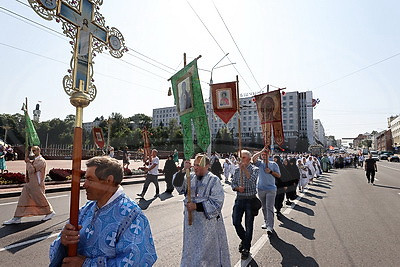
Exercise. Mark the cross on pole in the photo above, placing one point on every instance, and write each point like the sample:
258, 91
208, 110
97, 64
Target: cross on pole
86, 30
81, 22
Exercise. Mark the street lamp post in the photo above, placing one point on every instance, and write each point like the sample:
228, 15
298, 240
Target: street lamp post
211, 110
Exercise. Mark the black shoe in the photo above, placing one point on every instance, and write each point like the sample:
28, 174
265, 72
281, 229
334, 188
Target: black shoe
269, 233
241, 247
140, 195
288, 203
278, 213
245, 254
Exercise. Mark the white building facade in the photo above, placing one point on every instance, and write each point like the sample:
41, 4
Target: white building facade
297, 117
394, 126
319, 132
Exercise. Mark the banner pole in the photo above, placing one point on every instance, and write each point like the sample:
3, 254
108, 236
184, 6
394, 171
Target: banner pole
189, 188
238, 118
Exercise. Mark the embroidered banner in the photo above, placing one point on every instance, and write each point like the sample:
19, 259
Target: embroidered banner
190, 106
270, 114
98, 137
224, 100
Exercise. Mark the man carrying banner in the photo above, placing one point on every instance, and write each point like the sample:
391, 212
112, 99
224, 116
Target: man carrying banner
33, 201
266, 187
204, 242
244, 182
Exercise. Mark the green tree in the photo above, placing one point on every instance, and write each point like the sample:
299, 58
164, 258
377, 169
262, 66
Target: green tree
141, 120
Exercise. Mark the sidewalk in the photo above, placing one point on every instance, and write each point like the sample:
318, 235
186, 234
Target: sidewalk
59, 186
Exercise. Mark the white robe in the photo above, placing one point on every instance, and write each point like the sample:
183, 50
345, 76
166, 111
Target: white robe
204, 242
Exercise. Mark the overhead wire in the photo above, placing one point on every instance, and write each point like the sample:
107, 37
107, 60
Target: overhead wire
215, 40
65, 63
233, 39
359, 70
52, 30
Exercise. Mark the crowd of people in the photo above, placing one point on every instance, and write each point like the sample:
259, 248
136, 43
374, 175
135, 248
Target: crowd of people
114, 231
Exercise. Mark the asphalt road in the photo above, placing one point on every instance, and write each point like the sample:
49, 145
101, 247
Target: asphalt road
340, 221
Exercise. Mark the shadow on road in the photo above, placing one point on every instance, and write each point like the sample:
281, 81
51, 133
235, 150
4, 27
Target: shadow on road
386, 186
296, 227
15, 228
39, 237
291, 256
165, 196
144, 204
305, 210
307, 201
313, 195
323, 185
246, 263
316, 190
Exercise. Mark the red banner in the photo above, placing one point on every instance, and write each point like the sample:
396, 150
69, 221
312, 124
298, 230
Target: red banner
224, 100
270, 114
98, 137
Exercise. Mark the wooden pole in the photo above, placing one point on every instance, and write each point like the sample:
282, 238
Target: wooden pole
238, 118
76, 177
188, 179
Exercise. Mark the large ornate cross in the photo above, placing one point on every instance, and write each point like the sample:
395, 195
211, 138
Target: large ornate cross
82, 22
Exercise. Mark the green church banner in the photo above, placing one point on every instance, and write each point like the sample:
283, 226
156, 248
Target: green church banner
190, 107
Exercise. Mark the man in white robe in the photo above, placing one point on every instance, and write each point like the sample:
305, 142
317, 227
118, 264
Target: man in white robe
204, 242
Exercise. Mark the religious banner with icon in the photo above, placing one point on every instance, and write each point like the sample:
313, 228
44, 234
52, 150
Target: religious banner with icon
98, 137
190, 106
270, 115
224, 100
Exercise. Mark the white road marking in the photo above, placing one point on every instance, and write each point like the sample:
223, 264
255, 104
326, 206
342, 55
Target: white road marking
16, 202
253, 250
28, 242
263, 239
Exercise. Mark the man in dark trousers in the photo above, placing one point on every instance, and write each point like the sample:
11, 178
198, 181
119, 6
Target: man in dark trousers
370, 168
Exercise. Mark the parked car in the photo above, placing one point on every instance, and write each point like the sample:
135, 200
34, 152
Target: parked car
394, 159
383, 156
389, 153
375, 155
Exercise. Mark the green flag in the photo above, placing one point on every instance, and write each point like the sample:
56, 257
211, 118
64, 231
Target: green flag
32, 139
190, 106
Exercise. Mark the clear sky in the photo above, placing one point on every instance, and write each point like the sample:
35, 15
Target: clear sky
298, 44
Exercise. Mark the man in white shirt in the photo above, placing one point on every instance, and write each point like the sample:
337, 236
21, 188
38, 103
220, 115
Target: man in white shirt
152, 174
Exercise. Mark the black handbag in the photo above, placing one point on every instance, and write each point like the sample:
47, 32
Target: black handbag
256, 206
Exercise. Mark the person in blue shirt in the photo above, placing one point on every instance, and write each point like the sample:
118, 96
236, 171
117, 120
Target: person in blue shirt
266, 187
113, 230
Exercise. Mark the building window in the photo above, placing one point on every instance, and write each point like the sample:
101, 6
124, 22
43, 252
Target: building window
290, 97
290, 103
290, 109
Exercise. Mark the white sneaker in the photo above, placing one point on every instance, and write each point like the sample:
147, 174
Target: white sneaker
264, 226
49, 216
14, 220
